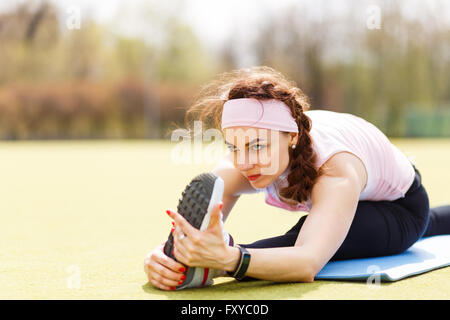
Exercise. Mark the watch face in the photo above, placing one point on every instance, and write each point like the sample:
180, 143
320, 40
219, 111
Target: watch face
243, 264
246, 258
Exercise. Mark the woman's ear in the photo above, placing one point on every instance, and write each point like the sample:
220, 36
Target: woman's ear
293, 138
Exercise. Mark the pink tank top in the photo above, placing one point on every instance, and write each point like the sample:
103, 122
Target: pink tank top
389, 171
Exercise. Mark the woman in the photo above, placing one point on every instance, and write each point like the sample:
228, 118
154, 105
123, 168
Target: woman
364, 197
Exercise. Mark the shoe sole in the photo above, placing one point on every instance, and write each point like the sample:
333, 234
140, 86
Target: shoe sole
196, 205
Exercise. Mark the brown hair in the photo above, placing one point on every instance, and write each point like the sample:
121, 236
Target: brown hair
264, 83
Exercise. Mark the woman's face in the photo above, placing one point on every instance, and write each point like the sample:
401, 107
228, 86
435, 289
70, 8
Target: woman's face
261, 155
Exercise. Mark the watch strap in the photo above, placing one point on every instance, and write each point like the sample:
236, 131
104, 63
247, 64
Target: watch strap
243, 263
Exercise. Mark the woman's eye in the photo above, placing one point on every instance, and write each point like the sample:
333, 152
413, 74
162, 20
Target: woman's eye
257, 147
254, 147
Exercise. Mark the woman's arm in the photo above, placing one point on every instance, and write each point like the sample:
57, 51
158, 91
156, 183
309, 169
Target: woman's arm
334, 201
235, 183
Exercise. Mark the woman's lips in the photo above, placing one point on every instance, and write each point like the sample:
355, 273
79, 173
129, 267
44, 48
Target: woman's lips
254, 177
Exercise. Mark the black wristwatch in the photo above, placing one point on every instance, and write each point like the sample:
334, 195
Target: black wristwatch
242, 266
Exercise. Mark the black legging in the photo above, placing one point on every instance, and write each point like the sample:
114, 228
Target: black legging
381, 227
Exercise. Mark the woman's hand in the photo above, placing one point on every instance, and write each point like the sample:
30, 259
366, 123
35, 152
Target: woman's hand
206, 249
162, 271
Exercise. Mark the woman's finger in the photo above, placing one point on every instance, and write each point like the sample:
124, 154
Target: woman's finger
163, 278
182, 223
180, 247
161, 286
181, 256
160, 272
180, 243
166, 276
216, 216
169, 263
174, 271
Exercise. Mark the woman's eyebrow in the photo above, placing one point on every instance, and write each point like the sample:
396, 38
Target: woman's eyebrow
247, 144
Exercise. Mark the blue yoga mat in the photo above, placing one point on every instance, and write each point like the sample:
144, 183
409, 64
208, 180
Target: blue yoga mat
425, 255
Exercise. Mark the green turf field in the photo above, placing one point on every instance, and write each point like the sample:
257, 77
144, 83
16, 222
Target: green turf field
77, 219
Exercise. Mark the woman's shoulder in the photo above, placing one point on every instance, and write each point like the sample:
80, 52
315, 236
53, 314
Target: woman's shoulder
318, 114
325, 120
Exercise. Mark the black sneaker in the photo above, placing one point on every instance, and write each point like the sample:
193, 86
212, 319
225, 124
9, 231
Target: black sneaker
198, 200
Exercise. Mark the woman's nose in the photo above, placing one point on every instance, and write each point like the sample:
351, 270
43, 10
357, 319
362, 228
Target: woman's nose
244, 164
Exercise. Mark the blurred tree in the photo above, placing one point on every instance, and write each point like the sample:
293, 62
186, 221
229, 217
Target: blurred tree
125, 79
182, 57
83, 52
28, 35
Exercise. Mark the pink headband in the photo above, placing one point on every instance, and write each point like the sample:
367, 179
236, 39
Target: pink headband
249, 112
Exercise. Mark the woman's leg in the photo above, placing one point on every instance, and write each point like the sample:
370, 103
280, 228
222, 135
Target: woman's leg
286, 240
439, 222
